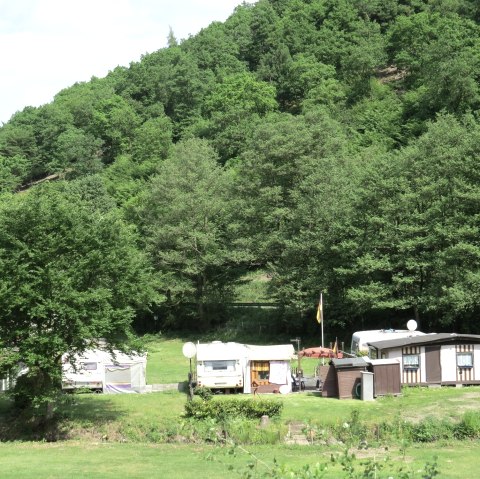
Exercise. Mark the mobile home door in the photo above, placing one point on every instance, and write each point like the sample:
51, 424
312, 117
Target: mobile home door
433, 369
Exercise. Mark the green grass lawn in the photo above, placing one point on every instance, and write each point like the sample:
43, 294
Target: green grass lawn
166, 363
105, 460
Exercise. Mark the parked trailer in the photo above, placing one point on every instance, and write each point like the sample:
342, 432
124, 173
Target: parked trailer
360, 339
221, 366
100, 371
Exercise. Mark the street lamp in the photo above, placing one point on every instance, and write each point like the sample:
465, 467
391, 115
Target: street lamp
189, 350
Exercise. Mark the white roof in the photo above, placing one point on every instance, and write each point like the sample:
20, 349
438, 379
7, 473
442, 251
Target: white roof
271, 353
218, 351
102, 356
374, 362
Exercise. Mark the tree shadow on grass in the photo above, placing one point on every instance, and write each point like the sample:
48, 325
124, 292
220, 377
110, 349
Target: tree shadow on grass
74, 413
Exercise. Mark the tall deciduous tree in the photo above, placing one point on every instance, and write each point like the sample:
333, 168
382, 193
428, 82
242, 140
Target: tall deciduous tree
70, 274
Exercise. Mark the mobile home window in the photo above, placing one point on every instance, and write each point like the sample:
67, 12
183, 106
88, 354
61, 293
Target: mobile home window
465, 360
411, 361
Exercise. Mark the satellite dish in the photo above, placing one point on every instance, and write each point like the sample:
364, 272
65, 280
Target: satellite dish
411, 325
189, 350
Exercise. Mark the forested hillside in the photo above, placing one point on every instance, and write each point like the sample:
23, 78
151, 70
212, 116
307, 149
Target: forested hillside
321, 145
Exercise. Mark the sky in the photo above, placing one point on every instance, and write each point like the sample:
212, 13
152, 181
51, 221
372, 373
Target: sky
48, 45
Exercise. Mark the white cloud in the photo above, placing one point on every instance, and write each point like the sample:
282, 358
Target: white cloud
48, 45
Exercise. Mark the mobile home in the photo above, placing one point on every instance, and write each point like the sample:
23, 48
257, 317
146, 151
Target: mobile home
433, 359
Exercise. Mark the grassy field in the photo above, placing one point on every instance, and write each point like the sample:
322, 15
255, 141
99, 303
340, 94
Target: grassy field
166, 363
138, 435
76, 459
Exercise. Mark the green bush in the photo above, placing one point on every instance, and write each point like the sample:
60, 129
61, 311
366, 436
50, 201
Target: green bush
431, 430
230, 408
469, 426
203, 393
353, 430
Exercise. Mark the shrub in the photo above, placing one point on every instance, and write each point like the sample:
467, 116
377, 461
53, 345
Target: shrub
203, 392
247, 431
224, 409
469, 426
431, 430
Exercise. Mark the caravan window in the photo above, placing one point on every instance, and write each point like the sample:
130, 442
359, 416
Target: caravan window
411, 361
219, 365
89, 366
465, 360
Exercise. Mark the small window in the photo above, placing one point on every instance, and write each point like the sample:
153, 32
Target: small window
411, 361
465, 360
89, 366
219, 365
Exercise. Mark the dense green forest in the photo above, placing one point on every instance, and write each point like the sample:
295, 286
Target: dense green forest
306, 145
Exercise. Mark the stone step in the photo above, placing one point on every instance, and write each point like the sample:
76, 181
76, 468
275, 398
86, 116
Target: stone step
296, 435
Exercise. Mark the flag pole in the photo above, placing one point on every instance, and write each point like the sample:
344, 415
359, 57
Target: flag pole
321, 309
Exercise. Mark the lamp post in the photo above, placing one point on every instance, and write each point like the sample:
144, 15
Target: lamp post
189, 350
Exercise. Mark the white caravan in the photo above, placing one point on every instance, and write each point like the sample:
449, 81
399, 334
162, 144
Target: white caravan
100, 371
361, 338
220, 366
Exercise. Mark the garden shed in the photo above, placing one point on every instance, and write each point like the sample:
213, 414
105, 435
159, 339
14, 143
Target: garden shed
433, 359
328, 378
343, 378
386, 376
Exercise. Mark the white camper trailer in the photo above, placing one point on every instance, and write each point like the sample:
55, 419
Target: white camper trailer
9, 380
220, 366
360, 339
100, 371
234, 367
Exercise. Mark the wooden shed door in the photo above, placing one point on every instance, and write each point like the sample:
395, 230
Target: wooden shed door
433, 369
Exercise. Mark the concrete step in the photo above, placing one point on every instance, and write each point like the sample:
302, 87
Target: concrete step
296, 435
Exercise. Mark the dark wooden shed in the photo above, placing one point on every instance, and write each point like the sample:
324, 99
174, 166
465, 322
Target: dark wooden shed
328, 377
386, 376
349, 376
